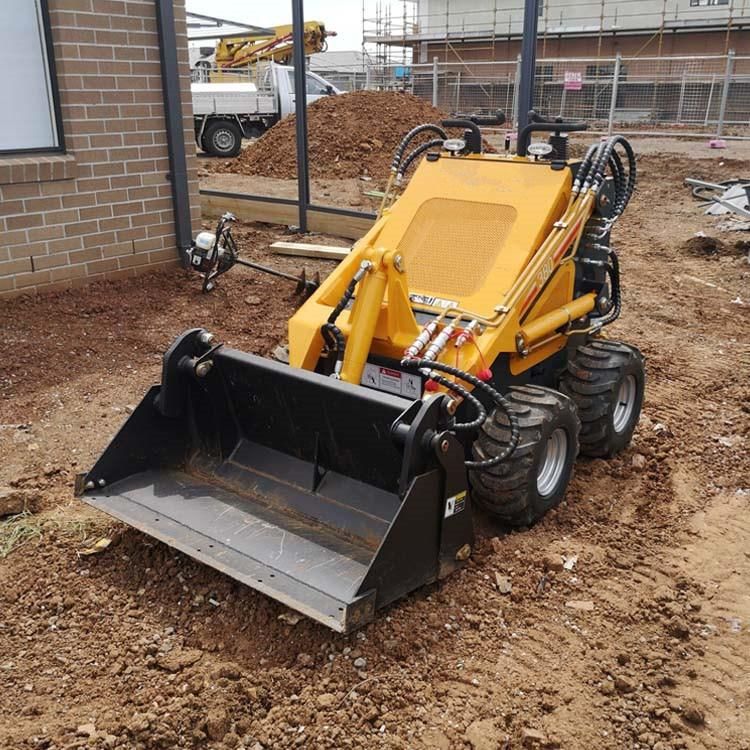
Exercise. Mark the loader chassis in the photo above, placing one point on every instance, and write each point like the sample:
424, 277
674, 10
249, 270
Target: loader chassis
455, 357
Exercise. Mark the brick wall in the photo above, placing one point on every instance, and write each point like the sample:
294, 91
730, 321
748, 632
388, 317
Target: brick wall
103, 209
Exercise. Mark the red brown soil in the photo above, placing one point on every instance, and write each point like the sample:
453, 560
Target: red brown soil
348, 136
140, 647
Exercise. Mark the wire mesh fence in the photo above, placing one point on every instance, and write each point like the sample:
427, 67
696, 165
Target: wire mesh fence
703, 93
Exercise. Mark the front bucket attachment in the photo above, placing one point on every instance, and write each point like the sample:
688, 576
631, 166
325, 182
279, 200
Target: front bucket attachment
331, 498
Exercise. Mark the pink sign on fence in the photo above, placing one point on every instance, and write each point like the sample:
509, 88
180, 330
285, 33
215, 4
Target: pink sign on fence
573, 80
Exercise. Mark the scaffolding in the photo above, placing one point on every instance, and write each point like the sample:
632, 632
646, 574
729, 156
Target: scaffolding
400, 33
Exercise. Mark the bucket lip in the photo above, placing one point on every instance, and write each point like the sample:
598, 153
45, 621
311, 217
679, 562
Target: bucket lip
338, 612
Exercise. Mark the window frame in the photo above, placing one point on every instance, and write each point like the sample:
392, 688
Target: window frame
54, 91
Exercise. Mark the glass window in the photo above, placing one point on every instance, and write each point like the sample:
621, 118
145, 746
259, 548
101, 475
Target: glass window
315, 85
27, 87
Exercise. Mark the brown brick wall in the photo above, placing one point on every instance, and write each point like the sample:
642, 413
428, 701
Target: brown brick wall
104, 208
695, 43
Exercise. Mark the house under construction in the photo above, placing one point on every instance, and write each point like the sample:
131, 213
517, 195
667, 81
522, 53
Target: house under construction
464, 30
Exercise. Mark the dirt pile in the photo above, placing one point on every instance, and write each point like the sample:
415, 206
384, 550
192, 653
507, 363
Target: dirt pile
350, 135
703, 245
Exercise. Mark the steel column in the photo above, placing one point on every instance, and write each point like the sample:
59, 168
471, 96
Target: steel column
528, 62
615, 87
725, 92
300, 111
516, 82
434, 81
176, 148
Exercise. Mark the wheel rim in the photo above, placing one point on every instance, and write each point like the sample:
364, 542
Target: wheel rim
553, 462
625, 404
223, 140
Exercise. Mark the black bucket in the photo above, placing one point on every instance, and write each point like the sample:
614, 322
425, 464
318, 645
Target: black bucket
331, 498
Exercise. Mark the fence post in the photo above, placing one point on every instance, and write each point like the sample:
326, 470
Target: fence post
725, 92
515, 90
710, 100
615, 87
434, 81
367, 76
682, 95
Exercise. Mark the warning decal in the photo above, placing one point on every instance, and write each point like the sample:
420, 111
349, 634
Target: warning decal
406, 384
455, 504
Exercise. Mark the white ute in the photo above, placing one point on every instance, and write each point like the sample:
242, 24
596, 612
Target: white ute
225, 113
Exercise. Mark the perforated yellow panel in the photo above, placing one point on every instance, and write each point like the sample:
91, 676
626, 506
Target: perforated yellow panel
451, 245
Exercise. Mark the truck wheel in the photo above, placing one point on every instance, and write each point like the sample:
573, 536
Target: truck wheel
222, 138
606, 380
520, 490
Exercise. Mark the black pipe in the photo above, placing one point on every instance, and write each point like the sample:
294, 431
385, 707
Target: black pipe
170, 81
300, 111
528, 62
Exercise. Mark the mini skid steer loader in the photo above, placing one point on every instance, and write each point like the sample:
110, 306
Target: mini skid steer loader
455, 357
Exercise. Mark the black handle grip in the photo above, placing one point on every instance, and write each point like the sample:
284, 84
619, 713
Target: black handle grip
474, 138
524, 137
489, 120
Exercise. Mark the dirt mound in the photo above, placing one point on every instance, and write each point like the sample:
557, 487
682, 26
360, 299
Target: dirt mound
350, 135
703, 245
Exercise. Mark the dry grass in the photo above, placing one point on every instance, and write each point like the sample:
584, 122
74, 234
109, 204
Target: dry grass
27, 527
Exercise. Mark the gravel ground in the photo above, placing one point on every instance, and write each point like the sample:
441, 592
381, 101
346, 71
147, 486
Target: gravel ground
641, 641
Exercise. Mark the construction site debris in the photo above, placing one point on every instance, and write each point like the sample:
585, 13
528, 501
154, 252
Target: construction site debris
303, 250
348, 136
504, 585
726, 197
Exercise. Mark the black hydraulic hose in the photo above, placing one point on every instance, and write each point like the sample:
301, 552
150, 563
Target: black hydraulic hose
629, 185
418, 151
603, 161
334, 339
498, 399
343, 302
584, 167
331, 333
613, 271
460, 391
401, 148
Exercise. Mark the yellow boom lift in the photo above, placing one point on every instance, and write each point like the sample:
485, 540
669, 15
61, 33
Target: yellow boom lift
240, 52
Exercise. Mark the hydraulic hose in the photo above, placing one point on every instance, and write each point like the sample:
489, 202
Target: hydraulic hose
498, 399
613, 272
607, 157
584, 167
459, 390
414, 154
401, 149
332, 335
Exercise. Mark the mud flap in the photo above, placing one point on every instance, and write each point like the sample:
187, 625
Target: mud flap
329, 497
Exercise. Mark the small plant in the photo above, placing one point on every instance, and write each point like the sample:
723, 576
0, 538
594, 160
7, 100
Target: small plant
18, 530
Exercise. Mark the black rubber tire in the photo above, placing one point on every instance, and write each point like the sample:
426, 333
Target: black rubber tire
510, 490
593, 379
223, 129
